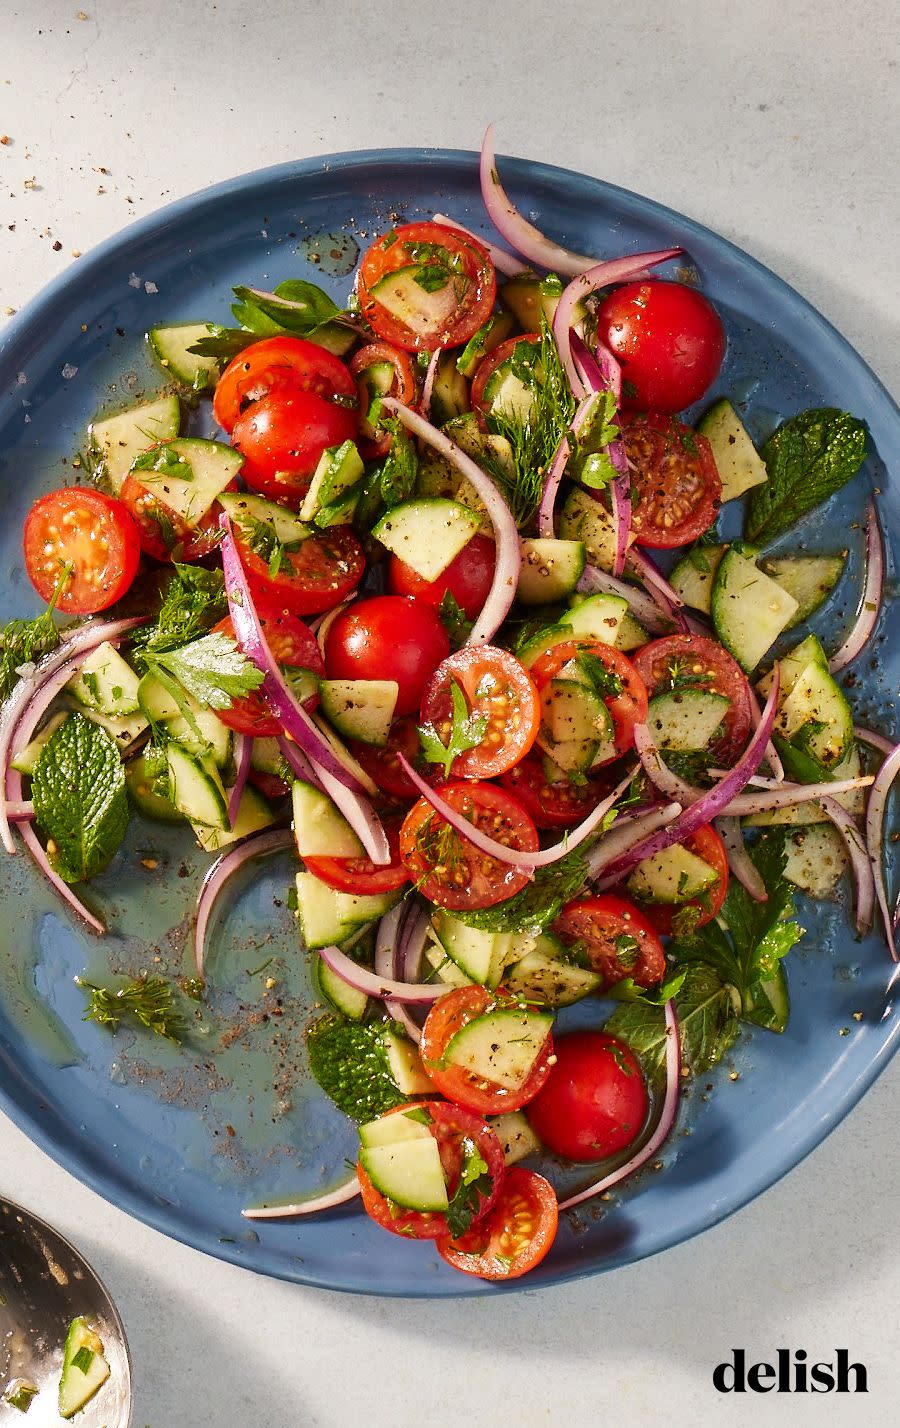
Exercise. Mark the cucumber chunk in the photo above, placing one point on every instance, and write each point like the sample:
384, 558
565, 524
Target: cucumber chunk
738, 463
171, 346
124, 728
196, 788
409, 1172
693, 576
406, 1066
25, 760
443, 966
803, 814
84, 1369
402, 294
320, 831
631, 635
427, 533
546, 974
507, 395
480, 955
201, 732
117, 440
344, 998
586, 520
749, 611
515, 1135
105, 682
244, 508
360, 708
810, 579
816, 859
209, 467
673, 876
816, 717
599, 616
140, 786
327, 916
550, 570
501, 1046
686, 719
496, 330
254, 813
449, 391
437, 477
339, 468
395, 1128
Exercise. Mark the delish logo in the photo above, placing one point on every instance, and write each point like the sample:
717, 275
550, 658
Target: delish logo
737, 1376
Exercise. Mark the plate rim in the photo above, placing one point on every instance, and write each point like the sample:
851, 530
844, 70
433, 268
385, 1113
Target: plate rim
24, 325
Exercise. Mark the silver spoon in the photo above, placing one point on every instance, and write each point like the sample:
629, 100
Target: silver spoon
44, 1284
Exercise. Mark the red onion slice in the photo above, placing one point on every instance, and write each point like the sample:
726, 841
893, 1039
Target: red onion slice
713, 802
740, 864
515, 228
387, 959
420, 993
428, 384
412, 944
358, 812
659, 773
32, 843
872, 595
298, 762
243, 748
863, 876
505, 263
515, 857
605, 375
875, 812
219, 874
598, 582
771, 758
665, 594
626, 833
786, 795
667, 1117
19, 810
557, 468
506, 569
875, 741
312, 1206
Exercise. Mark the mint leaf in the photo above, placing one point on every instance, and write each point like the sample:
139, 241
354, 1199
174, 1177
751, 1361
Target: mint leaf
349, 1061
541, 901
706, 1017
466, 732
212, 670
80, 804
807, 459
475, 1184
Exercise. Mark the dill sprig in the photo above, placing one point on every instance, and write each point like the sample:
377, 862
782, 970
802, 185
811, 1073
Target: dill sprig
147, 1001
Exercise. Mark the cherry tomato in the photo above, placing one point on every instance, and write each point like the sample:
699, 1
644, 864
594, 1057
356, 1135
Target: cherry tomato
383, 766
376, 443
705, 844
387, 637
488, 366
269, 785
511, 1238
628, 707
279, 364
447, 1016
669, 339
94, 534
360, 875
595, 1101
616, 937
282, 436
705, 665
294, 646
498, 689
165, 534
468, 578
677, 491
557, 802
450, 1126
449, 869
442, 313
320, 574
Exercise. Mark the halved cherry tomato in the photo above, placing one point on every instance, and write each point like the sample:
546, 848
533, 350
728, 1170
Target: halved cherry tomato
376, 443
595, 1102
279, 364
617, 939
707, 845
446, 866
514, 1236
669, 340
360, 875
383, 766
387, 637
674, 480
450, 1126
165, 534
93, 533
282, 436
488, 366
557, 802
269, 785
628, 707
294, 646
698, 662
448, 1015
319, 574
498, 689
454, 301
468, 578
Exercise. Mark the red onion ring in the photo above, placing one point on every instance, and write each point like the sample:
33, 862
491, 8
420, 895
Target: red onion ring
667, 1117
605, 375
243, 748
557, 467
871, 598
412, 944
771, 758
19, 810
506, 569
322, 624
328, 1201
387, 944
219, 874
514, 227
628, 830
35, 848
363, 980
785, 795
505, 263
514, 857
863, 876
358, 812
875, 741
299, 763
875, 812
428, 384
598, 582
740, 863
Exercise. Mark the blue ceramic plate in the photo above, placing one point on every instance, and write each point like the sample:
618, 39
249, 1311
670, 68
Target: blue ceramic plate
185, 1138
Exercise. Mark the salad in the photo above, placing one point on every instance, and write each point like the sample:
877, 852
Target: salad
405, 615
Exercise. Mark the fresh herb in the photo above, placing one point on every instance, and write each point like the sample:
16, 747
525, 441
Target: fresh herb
148, 1001
475, 1184
163, 461
706, 1018
349, 1060
223, 343
401, 465
541, 900
80, 803
466, 732
83, 1359
807, 459
27, 641
432, 277
627, 990
453, 618
418, 1114
263, 539
590, 461
20, 1393
212, 670
603, 681
194, 601
295, 307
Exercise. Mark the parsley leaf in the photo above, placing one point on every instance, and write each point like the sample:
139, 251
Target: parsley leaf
349, 1061
706, 1019
466, 732
164, 461
295, 306
807, 459
212, 670
80, 804
475, 1183
27, 641
194, 601
147, 1001
453, 618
